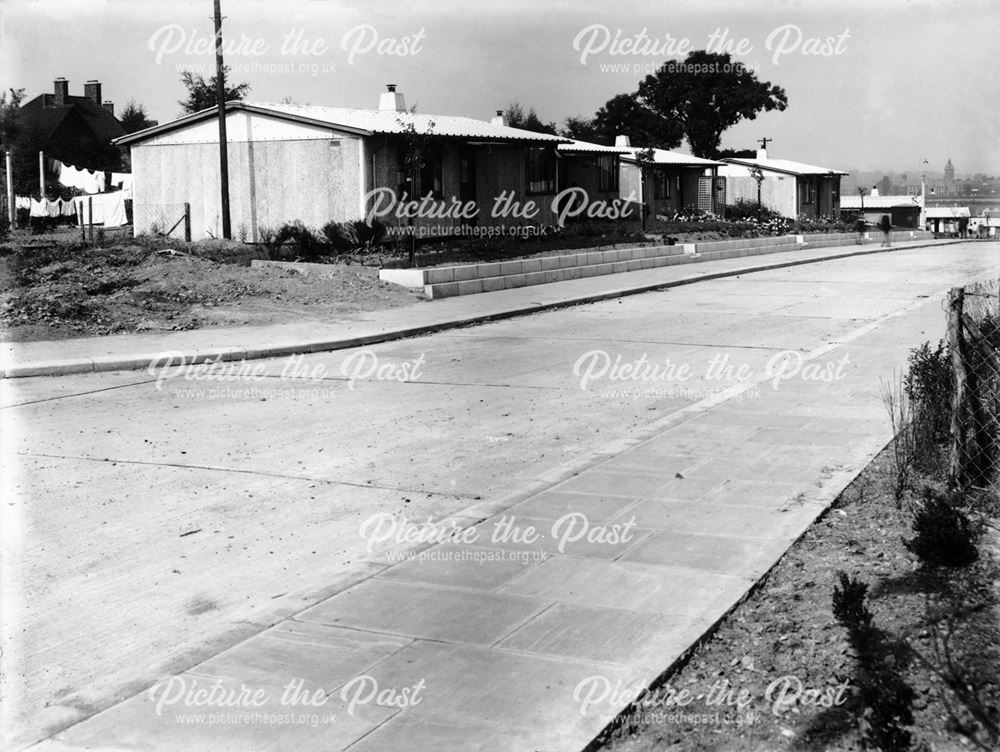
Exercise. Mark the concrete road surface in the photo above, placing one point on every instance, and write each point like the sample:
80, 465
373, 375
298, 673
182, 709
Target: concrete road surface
153, 519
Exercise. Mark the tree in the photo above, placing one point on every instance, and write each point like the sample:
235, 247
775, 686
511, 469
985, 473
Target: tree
624, 115
706, 94
134, 117
516, 117
736, 153
581, 129
10, 106
201, 93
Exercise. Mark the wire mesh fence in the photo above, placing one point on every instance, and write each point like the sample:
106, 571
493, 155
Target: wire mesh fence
165, 220
974, 343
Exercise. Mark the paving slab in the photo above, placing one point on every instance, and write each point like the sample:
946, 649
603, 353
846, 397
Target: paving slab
500, 658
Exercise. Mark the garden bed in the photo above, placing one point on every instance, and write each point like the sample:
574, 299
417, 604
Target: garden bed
61, 288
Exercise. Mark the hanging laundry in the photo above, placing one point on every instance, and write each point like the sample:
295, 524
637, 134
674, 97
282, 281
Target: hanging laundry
109, 209
22, 202
39, 208
121, 180
87, 181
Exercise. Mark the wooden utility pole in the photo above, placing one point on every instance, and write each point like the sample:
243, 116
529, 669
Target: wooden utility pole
956, 460
11, 209
220, 95
41, 175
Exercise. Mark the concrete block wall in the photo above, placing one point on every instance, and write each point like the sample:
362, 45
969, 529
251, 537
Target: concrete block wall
467, 279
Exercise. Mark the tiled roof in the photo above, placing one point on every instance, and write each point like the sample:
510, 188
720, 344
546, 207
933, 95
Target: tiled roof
42, 112
784, 165
662, 156
368, 122
877, 202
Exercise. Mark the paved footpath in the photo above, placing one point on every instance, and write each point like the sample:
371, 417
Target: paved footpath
126, 351
517, 633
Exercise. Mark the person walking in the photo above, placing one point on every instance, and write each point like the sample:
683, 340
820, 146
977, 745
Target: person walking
885, 224
859, 227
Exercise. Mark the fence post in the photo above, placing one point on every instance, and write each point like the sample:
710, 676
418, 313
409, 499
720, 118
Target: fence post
90, 209
83, 225
956, 303
187, 222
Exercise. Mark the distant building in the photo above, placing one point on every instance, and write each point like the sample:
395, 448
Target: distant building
949, 178
903, 211
75, 130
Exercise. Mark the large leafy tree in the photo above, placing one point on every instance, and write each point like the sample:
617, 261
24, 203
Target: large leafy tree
134, 117
626, 115
705, 95
201, 92
580, 128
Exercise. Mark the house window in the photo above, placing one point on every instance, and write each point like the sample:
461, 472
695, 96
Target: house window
429, 174
540, 170
430, 180
661, 185
807, 191
607, 173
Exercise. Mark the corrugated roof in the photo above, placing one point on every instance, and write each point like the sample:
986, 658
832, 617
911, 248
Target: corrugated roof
877, 202
366, 122
586, 146
946, 212
784, 165
662, 156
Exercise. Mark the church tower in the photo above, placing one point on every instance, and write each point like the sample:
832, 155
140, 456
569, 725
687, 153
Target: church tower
949, 178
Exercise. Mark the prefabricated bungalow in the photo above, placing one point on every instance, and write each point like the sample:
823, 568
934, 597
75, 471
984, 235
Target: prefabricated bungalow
321, 164
903, 211
674, 181
793, 189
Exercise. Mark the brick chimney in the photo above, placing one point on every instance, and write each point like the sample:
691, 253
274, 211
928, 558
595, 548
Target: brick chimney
61, 91
498, 119
391, 100
92, 91
109, 106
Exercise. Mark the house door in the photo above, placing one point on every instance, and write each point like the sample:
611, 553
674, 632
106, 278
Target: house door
467, 178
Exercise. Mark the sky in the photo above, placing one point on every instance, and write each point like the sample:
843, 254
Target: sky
871, 84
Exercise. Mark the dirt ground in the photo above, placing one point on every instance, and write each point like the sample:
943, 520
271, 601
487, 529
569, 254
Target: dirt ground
69, 290
946, 624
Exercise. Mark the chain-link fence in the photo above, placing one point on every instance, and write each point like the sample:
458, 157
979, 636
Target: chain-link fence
165, 220
974, 341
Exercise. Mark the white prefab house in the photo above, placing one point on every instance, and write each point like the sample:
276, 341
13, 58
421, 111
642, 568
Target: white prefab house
793, 189
673, 181
318, 164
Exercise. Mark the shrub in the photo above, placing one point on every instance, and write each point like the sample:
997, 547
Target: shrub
944, 534
928, 385
356, 235
307, 245
748, 209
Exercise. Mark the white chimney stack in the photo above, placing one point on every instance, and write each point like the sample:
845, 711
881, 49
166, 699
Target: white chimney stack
875, 190
391, 100
623, 142
762, 154
498, 119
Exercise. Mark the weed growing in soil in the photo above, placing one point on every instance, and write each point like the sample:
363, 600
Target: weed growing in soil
885, 699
